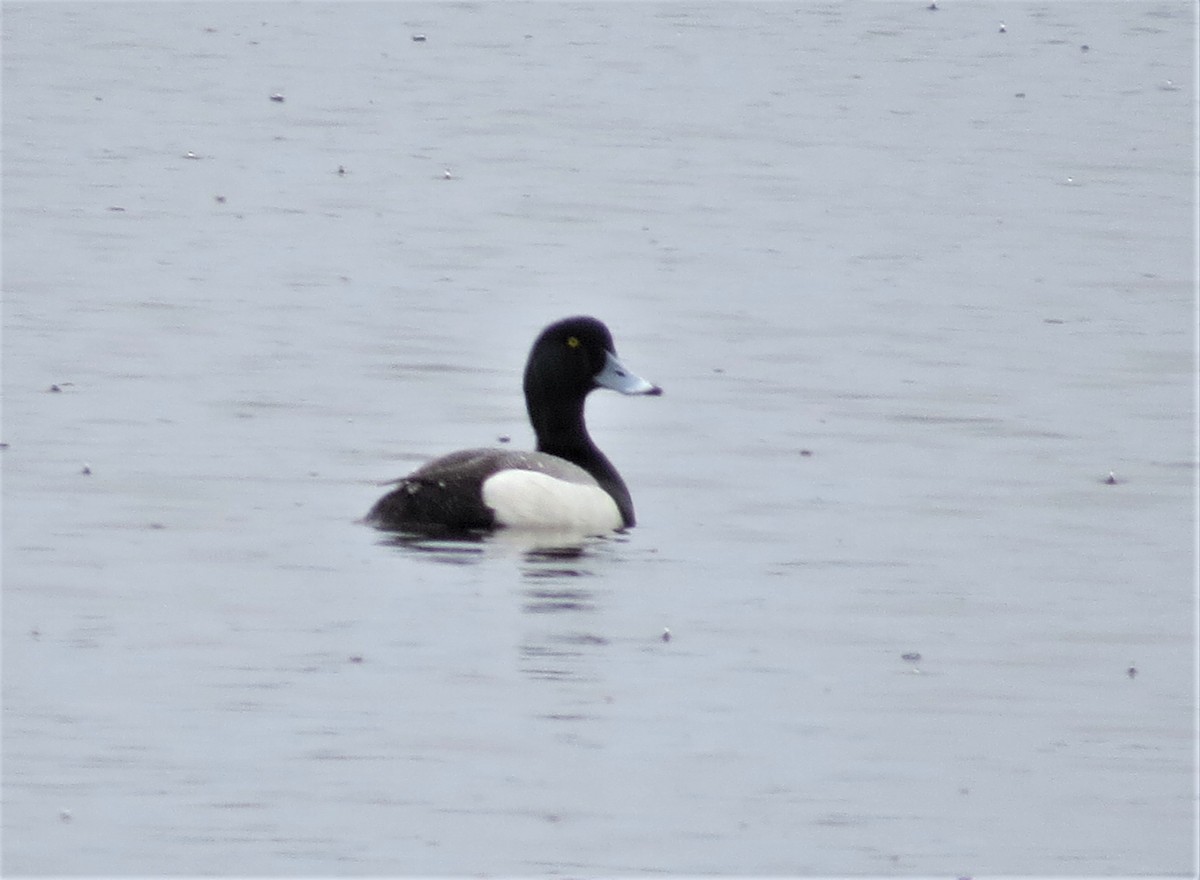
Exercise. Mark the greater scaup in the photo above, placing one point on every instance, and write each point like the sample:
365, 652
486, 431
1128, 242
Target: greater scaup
566, 484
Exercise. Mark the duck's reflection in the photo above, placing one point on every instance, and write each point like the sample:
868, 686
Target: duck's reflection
546, 554
556, 580
560, 590
548, 601
454, 549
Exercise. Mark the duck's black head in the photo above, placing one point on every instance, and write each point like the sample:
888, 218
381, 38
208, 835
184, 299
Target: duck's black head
574, 356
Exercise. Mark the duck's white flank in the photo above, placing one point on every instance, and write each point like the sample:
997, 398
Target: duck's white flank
532, 500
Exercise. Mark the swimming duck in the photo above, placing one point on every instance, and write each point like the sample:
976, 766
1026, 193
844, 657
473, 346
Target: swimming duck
567, 484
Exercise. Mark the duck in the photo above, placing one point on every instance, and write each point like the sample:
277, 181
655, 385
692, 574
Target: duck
565, 484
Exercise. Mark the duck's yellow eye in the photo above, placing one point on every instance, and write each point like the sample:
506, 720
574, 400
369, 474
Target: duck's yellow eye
573, 342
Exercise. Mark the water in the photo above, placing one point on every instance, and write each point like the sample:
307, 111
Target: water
914, 288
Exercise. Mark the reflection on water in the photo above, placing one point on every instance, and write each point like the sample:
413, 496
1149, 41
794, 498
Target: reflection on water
539, 600
546, 554
552, 662
556, 570
456, 551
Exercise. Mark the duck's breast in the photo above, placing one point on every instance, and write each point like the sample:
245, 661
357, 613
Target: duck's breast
539, 491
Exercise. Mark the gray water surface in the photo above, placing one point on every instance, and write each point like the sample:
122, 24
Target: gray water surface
914, 287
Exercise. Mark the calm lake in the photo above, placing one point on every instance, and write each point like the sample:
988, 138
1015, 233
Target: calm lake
915, 281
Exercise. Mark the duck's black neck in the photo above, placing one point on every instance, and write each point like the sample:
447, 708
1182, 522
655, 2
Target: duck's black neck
561, 431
